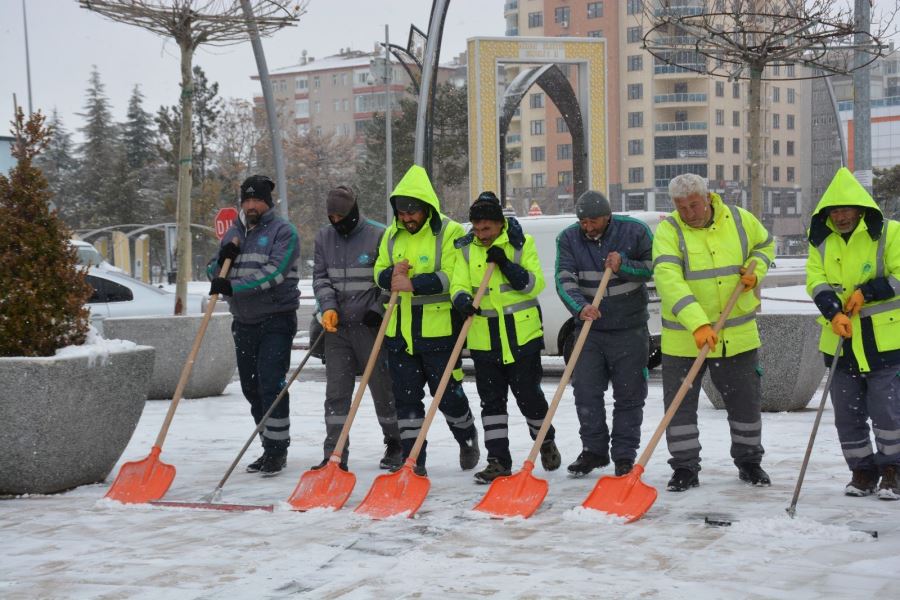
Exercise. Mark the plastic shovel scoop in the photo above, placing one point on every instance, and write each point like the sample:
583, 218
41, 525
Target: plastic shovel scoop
395, 494
141, 481
331, 486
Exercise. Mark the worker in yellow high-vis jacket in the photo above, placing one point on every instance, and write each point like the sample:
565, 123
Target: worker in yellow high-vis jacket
853, 275
700, 254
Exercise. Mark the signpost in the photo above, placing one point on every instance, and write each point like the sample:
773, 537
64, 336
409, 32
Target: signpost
224, 218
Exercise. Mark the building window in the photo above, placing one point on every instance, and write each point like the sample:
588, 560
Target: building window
564, 151
636, 63
362, 78
634, 7
776, 174
790, 121
317, 107
735, 145
736, 118
720, 172
790, 75
791, 96
776, 147
776, 69
635, 147
316, 82
720, 144
681, 116
301, 109
776, 121
776, 94
636, 175
594, 10
735, 90
301, 84
635, 119
736, 173
564, 178
720, 117
536, 101
537, 127
635, 91
595, 33
334, 79
343, 79
537, 180
790, 148
561, 126
634, 35
537, 154
561, 16
790, 170
337, 106
720, 89
535, 19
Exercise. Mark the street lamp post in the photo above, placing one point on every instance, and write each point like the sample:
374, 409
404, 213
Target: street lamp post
385, 77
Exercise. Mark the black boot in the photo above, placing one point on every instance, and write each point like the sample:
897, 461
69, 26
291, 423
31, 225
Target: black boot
273, 463
469, 453
586, 462
862, 483
256, 464
393, 454
624, 466
492, 471
550, 456
321, 465
753, 474
889, 488
682, 479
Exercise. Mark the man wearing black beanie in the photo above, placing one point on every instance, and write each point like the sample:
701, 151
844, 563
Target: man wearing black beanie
507, 335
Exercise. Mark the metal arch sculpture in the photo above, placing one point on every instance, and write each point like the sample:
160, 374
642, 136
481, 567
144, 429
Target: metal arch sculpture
428, 84
554, 83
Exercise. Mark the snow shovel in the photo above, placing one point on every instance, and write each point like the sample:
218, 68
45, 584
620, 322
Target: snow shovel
145, 480
521, 494
792, 509
626, 495
404, 491
330, 486
209, 501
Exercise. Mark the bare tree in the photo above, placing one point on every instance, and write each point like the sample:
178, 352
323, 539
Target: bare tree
191, 23
738, 39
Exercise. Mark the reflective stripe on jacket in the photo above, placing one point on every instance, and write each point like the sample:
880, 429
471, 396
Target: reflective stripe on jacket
697, 269
522, 316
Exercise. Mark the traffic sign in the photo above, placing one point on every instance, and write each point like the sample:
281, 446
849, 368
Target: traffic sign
535, 210
224, 218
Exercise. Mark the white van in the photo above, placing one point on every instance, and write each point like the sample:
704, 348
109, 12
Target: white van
560, 329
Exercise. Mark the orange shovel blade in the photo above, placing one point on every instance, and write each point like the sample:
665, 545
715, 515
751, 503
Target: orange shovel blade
328, 487
142, 480
624, 496
394, 494
517, 495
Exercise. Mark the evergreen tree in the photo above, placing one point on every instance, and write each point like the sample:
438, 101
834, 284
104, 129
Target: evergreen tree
135, 171
60, 168
98, 190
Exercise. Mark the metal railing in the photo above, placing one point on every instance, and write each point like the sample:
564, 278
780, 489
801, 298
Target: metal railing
686, 68
681, 126
666, 98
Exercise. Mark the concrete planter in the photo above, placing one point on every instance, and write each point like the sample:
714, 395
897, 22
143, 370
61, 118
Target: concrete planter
790, 359
173, 338
65, 420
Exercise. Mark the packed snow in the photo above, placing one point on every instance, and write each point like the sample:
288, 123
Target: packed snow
78, 545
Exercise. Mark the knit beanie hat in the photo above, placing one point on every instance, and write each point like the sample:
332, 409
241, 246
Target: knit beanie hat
486, 208
259, 187
592, 204
341, 201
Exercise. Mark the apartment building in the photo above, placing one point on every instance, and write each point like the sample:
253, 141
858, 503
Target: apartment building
664, 120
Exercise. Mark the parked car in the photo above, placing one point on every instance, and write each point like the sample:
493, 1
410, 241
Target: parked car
116, 294
89, 256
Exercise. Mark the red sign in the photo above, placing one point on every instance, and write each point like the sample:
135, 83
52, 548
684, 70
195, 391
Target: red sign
224, 218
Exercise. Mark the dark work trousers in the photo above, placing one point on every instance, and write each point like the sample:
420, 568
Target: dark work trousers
263, 358
618, 357
346, 353
737, 379
858, 397
410, 373
493, 380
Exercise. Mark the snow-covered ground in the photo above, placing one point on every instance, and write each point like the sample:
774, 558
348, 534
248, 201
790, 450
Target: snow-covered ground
76, 545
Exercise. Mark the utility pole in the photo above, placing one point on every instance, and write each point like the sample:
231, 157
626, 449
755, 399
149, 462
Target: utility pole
27, 56
388, 157
862, 105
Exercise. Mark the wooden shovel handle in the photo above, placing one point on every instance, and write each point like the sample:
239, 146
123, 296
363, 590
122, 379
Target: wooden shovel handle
692, 373
451, 363
367, 373
570, 368
189, 364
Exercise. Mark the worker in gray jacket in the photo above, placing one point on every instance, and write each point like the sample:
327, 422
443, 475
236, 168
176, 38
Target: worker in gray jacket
351, 306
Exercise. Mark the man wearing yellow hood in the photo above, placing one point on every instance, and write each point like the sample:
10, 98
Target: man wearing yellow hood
853, 275
416, 257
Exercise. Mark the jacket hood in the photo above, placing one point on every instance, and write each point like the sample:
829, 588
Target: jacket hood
416, 184
844, 190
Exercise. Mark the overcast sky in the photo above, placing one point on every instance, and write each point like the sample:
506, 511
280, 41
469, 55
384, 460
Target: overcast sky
65, 41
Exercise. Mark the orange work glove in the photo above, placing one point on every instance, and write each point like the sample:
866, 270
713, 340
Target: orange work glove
854, 303
705, 335
748, 279
840, 324
330, 320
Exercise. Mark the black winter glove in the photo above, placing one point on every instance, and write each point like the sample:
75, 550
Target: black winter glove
495, 254
220, 285
463, 304
229, 250
372, 319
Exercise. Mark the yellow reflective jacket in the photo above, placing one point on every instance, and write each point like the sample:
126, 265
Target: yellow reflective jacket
522, 316
422, 320
868, 259
697, 269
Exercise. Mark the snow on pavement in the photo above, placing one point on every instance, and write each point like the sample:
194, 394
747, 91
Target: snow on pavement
77, 545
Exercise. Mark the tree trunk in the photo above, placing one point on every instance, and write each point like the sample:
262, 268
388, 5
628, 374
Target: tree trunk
756, 140
185, 155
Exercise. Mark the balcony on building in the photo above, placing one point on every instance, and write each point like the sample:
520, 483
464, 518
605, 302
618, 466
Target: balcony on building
681, 126
680, 8
513, 139
510, 6
512, 31
664, 69
681, 99
514, 166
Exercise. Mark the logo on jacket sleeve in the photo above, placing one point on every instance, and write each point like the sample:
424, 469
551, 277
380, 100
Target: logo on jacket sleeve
263, 241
